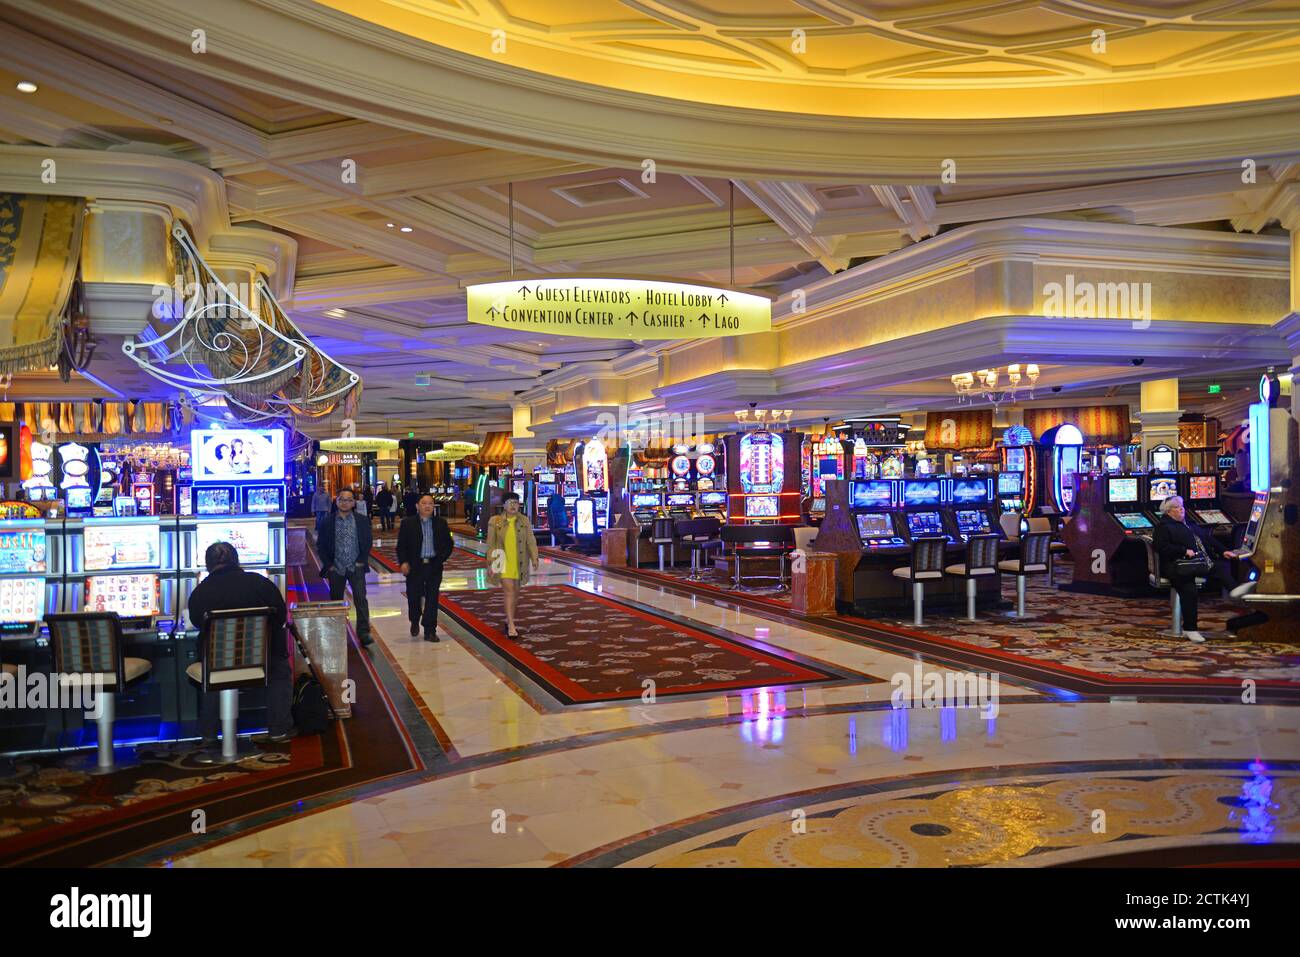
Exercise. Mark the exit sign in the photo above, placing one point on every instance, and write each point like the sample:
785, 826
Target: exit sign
1215, 389
411, 435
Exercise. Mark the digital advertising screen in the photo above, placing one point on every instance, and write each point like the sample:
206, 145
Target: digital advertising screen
921, 493
713, 498
252, 540
645, 500
1162, 488
972, 521
23, 549
1203, 487
1011, 483
585, 517
1133, 520
121, 546
131, 596
22, 600
1122, 490
924, 523
874, 525
762, 506
265, 498
237, 454
873, 494
970, 491
213, 501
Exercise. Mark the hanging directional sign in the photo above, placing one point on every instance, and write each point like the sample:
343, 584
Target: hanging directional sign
618, 308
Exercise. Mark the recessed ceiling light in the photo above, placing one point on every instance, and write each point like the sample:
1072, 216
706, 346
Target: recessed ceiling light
27, 86
406, 229
389, 225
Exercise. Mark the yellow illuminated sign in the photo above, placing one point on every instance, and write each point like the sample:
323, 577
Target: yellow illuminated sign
618, 308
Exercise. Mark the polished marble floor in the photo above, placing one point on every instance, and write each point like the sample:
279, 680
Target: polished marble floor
877, 771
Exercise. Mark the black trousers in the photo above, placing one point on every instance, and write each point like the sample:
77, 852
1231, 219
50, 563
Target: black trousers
422, 590
386, 521
357, 579
1188, 591
279, 699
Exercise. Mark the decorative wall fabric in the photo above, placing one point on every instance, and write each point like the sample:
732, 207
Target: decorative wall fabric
40, 246
962, 429
1100, 424
559, 452
95, 419
496, 449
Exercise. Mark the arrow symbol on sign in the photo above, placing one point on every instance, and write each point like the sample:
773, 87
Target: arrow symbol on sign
523, 291
631, 315
492, 310
704, 318
723, 297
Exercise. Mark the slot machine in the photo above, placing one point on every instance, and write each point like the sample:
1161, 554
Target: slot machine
593, 475
645, 507
1124, 502
714, 505
30, 569
1011, 491
680, 505
142, 492
1159, 488
680, 469
877, 517
1059, 452
972, 510
706, 469
826, 462
1204, 507
1019, 455
185, 491
546, 487
764, 495
923, 509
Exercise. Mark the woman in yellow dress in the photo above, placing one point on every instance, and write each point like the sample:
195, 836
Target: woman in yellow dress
512, 554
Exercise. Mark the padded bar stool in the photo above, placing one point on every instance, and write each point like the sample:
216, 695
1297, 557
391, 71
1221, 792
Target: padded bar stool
662, 537
1035, 558
1041, 524
698, 536
235, 644
1156, 576
927, 565
88, 649
981, 561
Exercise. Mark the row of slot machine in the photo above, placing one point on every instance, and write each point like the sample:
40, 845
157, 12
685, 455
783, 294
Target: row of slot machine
648, 506
1133, 501
889, 514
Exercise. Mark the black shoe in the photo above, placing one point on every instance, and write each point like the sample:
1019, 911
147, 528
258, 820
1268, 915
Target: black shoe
415, 629
366, 640
275, 738
431, 636
514, 637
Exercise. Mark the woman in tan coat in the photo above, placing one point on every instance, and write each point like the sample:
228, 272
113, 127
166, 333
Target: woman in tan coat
512, 554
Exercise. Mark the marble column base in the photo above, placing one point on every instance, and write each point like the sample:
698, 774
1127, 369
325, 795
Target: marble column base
613, 547
812, 590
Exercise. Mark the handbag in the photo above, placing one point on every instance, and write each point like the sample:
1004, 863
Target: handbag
1194, 567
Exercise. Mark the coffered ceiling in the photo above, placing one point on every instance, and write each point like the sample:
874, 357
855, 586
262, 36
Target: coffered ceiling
279, 115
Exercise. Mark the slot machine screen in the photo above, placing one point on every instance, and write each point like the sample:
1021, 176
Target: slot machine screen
681, 500
252, 540
1212, 516
874, 525
545, 490
22, 603
924, 523
762, 462
1122, 490
818, 505
921, 493
762, 506
79, 498
121, 546
1011, 483
970, 491
1162, 488
645, 500
213, 501
1133, 520
1015, 459
23, 549
585, 517
1203, 487
973, 521
713, 500
264, 499
873, 494
569, 500
517, 488
131, 596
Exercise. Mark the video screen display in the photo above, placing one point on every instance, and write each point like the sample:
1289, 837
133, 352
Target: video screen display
1015, 459
268, 498
569, 500
924, 523
1163, 487
1203, 487
818, 505
545, 489
213, 501
1122, 490
645, 500
585, 517
252, 540
9, 454
131, 596
680, 500
762, 506
713, 499
921, 493
218, 454
1133, 520
79, 497
121, 546
1212, 516
874, 525
970, 491
23, 549
973, 521
22, 600
873, 494
1011, 483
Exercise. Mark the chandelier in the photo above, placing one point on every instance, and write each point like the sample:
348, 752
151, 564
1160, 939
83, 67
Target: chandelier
988, 384
759, 418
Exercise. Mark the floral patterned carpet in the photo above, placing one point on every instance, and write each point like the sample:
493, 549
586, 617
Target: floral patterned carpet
583, 647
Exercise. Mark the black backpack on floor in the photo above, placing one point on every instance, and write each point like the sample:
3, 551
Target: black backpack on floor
311, 707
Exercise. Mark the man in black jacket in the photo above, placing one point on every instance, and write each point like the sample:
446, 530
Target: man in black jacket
344, 549
227, 587
423, 544
1174, 541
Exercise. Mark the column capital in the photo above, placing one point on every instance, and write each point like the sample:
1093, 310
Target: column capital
1288, 327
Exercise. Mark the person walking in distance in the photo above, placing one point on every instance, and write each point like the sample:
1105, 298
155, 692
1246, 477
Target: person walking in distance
320, 505
384, 503
344, 549
423, 543
512, 554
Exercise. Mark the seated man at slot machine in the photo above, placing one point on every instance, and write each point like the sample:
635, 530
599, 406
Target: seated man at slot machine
343, 546
228, 587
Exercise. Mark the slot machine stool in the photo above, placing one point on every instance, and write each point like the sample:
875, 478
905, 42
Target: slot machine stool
928, 556
1035, 558
981, 561
88, 647
661, 537
235, 644
1158, 580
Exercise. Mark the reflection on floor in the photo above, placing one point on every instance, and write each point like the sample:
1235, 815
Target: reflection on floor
1017, 776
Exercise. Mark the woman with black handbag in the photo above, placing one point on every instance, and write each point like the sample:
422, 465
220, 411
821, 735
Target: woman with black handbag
1184, 558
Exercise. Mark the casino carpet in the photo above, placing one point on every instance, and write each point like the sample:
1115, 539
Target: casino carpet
583, 647
385, 553
54, 817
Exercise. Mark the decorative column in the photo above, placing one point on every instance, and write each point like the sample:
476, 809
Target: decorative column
529, 450
1160, 415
